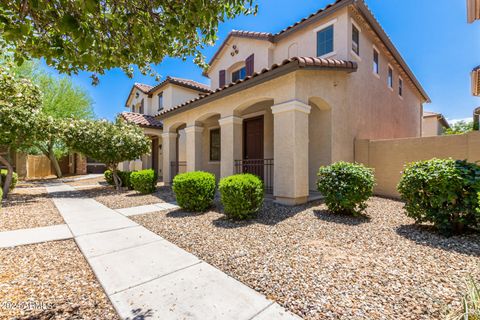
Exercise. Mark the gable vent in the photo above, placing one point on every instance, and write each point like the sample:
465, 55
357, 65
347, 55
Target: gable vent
476, 81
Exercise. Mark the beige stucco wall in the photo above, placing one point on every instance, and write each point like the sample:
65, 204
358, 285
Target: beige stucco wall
388, 157
431, 126
246, 47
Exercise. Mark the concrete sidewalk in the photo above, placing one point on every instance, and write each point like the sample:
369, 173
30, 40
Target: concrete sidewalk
145, 276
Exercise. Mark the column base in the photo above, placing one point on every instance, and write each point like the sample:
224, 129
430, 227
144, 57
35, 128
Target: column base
291, 201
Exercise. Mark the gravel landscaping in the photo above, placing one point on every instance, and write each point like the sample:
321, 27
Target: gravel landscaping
51, 280
325, 266
128, 198
98, 181
28, 208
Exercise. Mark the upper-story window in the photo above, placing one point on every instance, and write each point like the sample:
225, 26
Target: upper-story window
376, 63
239, 74
133, 108
355, 40
390, 77
142, 107
325, 41
400, 87
160, 101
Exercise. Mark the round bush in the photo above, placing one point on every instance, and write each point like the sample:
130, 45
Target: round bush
108, 175
13, 184
443, 192
241, 195
194, 190
346, 186
144, 181
123, 175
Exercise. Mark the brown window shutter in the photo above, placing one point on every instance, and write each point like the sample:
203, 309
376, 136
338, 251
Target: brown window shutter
221, 77
249, 65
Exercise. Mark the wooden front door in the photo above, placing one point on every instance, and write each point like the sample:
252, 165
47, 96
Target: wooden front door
253, 146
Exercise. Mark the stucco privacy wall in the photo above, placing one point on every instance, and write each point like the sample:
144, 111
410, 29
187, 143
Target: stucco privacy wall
388, 157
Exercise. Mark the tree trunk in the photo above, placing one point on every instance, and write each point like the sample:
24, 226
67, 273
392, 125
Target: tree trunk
8, 179
54, 161
116, 178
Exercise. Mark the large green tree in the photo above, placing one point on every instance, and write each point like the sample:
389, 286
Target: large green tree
107, 142
97, 35
20, 104
460, 127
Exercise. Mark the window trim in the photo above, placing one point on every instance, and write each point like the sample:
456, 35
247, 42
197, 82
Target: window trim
390, 85
331, 53
211, 131
401, 86
377, 71
354, 25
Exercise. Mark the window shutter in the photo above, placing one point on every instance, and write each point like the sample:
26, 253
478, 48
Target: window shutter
249, 65
221, 78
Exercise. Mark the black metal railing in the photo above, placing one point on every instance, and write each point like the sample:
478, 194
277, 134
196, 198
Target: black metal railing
177, 167
263, 168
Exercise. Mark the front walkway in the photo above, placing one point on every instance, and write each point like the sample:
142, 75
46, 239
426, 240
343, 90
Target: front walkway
145, 276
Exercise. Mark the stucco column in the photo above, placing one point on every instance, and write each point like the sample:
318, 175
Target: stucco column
230, 144
290, 150
169, 154
194, 148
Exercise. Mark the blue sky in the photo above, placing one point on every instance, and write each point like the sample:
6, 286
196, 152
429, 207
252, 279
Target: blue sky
432, 35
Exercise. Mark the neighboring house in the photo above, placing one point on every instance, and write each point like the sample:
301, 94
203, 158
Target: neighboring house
285, 104
434, 124
476, 81
473, 10
144, 101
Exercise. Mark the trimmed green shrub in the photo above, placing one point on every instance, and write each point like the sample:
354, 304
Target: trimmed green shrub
144, 181
194, 190
241, 195
1, 197
346, 186
123, 175
443, 192
3, 173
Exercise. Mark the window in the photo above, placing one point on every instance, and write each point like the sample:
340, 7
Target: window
376, 67
239, 74
325, 41
355, 40
215, 145
400, 87
133, 108
390, 77
142, 111
160, 101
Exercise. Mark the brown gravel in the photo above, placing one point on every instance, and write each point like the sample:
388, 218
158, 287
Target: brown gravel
325, 266
52, 274
128, 198
98, 181
28, 208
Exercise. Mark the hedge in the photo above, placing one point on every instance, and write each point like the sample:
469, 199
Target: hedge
241, 195
346, 186
194, 191
3, 174
144, 181
443, 192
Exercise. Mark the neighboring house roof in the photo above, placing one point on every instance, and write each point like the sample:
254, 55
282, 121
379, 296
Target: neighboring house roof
142, 120
439, 116
360, 5
274, 71
187, 83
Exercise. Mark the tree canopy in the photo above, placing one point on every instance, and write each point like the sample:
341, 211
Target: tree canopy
97, 35
460, 127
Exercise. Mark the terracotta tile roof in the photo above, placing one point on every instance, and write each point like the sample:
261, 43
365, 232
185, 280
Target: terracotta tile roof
142, 120
300, 62
143, 87
191, 84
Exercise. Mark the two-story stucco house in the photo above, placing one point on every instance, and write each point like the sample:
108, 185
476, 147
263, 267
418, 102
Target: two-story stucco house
434, 124
144, 102
285, 104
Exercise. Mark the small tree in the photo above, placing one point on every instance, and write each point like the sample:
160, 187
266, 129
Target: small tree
110, 143
460, 127
20, 102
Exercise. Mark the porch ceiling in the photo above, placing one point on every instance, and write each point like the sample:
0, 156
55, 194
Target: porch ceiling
287, 66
